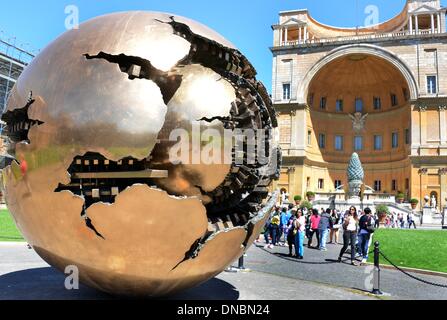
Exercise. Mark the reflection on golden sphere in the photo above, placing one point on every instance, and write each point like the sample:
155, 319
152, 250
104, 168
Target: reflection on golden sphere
90, 122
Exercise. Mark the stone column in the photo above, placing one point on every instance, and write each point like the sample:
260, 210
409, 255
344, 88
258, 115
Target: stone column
299, 34
432, 23
292, 183
415, 131
302, 140
417, 24
423, 124
443, 183
298, 141
280, 36
305, 33
286, 36
422, 182
439, 22
294, 128
410, 18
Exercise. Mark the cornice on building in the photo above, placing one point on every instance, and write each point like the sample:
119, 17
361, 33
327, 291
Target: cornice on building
289, 106
431, 101
293, 11
428, 160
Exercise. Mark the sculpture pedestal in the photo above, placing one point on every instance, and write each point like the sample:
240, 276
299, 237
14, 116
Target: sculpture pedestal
428, 217
353, 200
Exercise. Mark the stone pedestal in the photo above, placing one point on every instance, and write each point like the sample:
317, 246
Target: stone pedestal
354, 189
428, 217
354, 201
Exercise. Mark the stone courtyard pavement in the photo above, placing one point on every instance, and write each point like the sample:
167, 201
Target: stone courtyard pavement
273, 275
322, 267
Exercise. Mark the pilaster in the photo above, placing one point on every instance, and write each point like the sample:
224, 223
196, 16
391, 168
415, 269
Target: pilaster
443, 183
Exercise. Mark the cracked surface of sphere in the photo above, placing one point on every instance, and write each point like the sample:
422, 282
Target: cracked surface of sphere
89, 123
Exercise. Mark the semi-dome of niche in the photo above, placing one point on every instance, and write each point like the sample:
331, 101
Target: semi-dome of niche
367, 82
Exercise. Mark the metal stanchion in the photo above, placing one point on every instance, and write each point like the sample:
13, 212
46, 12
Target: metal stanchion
240, 266
241, 263
376, 287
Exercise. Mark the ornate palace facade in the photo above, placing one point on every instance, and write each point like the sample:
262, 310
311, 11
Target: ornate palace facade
380, 91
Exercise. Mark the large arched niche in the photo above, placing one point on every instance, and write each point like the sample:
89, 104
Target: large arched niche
357, 76
359, 73
370, 50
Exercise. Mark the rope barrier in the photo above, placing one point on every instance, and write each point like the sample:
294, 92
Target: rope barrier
389, 261
410, 275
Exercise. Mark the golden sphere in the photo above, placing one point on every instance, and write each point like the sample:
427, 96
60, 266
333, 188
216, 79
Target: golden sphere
90, 122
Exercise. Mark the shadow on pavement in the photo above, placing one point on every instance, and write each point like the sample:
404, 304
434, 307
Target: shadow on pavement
43, 284
48, 284
287, 257
214, 289
293, 259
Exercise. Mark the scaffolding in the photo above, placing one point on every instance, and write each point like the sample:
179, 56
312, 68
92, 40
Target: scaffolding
13, 60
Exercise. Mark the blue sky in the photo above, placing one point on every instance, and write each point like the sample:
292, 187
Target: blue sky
246, 23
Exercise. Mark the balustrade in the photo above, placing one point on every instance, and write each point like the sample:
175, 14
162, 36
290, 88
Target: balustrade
390, 35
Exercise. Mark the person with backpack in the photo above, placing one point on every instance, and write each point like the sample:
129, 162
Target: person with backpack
323, 228
291, 230
366, 229
274, 228
283, 227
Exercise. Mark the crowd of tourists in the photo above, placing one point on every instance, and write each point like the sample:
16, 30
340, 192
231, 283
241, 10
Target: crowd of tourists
400, 221
292, 226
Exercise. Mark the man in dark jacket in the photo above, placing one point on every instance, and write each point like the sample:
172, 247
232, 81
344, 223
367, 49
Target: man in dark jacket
323, 227
366, 228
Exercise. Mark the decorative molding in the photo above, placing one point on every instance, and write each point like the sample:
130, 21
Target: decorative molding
423, 171
442, 171
430, 102
422, 108
425, 9
292, 22
443, 108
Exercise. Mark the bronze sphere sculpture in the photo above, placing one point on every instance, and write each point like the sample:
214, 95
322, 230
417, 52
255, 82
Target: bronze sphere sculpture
90, 124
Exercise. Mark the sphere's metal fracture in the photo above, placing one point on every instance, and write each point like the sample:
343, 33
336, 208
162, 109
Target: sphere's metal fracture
93, 186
